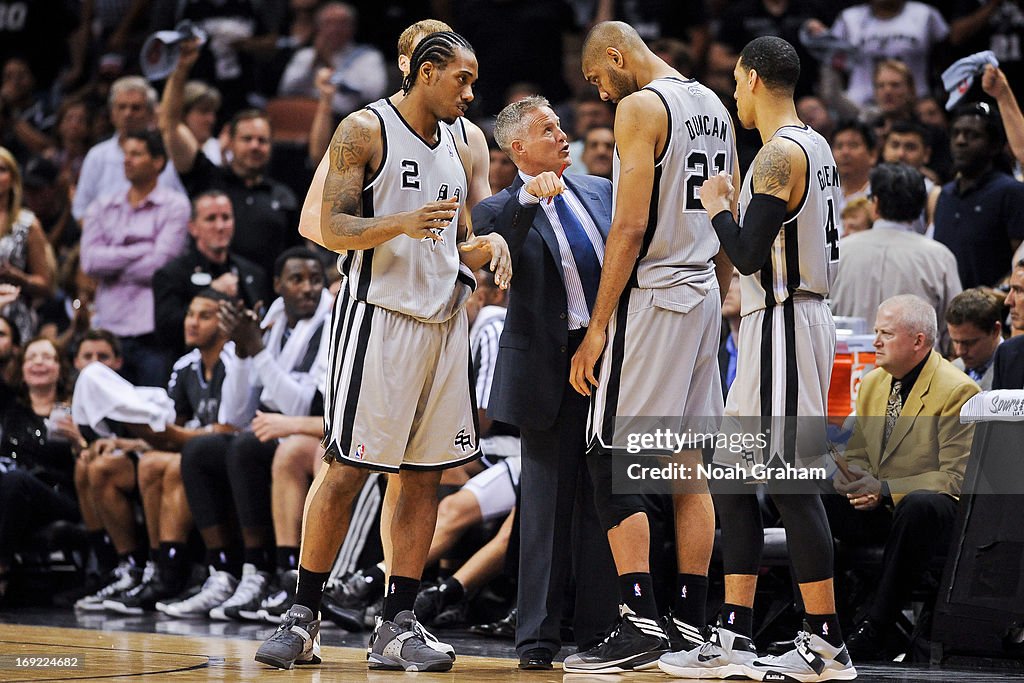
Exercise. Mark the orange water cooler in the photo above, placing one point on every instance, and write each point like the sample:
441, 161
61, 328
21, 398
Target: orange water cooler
855, 357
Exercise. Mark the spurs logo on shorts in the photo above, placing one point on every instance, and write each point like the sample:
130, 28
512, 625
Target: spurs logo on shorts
463, 440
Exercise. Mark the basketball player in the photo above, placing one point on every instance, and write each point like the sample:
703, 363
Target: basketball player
659, 310
398, 397
787, 253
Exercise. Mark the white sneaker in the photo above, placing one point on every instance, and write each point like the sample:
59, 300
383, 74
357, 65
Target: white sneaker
215, 591
812, 659
249, 592
724, 655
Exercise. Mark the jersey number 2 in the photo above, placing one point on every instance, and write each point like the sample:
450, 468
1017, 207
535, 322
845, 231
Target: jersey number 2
411, 175
696, 173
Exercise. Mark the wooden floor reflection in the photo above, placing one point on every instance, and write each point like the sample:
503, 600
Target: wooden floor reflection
141, 657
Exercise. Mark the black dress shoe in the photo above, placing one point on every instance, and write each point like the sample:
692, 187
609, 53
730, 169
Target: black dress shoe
535, 659
867, 643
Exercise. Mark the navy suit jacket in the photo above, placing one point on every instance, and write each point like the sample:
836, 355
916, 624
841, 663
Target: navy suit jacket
1008, 366
531, 374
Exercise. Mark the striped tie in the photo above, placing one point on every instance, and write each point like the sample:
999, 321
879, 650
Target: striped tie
587, 265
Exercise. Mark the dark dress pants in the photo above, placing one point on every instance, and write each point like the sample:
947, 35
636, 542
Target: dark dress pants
560, 533
918, 529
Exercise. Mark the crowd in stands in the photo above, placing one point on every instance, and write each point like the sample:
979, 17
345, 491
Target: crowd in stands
149, 229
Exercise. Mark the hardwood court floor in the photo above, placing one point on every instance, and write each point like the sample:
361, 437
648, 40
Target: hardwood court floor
138, 656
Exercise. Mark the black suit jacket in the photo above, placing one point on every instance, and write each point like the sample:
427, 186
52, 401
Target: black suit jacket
179, 280
532, 370
1008, 366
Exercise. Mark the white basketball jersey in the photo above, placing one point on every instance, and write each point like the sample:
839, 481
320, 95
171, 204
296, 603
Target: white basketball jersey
805, 255
418, 277
679, 242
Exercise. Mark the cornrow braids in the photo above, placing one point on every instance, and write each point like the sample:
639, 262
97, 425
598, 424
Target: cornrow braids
436, 48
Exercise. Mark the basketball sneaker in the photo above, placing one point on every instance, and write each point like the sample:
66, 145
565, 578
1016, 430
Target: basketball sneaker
245, 602
724, 655
345, 601
217, 588
296, 640
143, 598
124, 577
281, 597
681, 636
399, 646
635, 644
812, 659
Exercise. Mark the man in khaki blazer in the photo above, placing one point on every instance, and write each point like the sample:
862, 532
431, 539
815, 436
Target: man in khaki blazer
902, 486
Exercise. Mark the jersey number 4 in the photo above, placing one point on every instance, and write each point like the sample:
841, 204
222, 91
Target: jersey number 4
831, 233
696, 173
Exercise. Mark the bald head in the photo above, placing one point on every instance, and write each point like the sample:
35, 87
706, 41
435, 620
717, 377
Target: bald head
614, 34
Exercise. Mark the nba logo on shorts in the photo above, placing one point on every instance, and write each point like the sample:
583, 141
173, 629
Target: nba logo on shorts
360, 452
636, 589
732, 617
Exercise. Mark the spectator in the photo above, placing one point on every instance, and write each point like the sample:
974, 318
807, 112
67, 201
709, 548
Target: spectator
30, 117
208, 262
975, 332
857, 216
68, 316
978, 215
589, 111
358, 68
23, 251
38, 445
996, 84
855, 148
10, 338
996, 25
891, 258
905, 474
126, 237
741, 22
265, 208
908, 142
598, 151
199, 107
132, 104
813, 111
232, 28
931, 113
74, 138
1008, 366
881, 29
686, 20
501, 171
46, 195
894, 94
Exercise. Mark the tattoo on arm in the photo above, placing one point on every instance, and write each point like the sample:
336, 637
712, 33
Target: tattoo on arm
343, 188
772, 169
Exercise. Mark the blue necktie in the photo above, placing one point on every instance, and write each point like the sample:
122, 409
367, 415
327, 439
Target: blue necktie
587, 265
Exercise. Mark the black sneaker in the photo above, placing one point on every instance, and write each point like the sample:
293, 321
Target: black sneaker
296, 640
681, 636
281, 597
431, 608
345, 601
122, 579
399, 646
635, 644
143, 598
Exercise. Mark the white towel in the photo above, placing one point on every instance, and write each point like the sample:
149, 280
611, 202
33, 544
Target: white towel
102, 394
1002, 405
